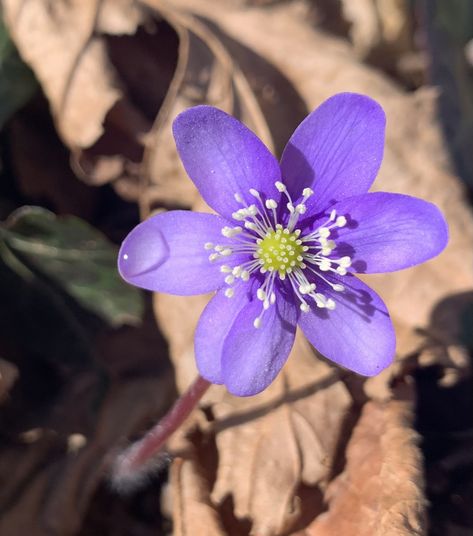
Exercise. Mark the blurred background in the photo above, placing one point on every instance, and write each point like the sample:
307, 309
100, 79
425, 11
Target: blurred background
88, 91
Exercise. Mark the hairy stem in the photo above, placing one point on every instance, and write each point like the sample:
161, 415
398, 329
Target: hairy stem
134, 460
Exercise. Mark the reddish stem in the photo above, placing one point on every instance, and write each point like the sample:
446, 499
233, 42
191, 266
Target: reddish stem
136, 457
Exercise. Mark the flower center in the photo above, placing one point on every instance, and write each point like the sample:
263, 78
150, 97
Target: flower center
280, 250
298, 259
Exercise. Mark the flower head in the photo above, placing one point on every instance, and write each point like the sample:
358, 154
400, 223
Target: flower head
288, 238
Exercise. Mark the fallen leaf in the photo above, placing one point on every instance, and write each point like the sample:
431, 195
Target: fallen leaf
260, 460
380, 491
17, 83
192, 511
103, 104
8, 376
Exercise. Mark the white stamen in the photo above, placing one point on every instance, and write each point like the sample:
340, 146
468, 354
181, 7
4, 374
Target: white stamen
281, 252
307, 192
230, 232
280, 186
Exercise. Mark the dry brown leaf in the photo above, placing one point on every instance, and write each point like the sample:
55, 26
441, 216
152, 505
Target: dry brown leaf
415, 163
102, 105
192, 513
205, 73
59, 41
8, 376
380, 492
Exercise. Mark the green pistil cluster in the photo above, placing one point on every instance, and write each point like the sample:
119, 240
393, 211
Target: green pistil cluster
281, 250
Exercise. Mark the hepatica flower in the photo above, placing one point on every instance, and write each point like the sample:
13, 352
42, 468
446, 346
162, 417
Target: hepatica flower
286, 242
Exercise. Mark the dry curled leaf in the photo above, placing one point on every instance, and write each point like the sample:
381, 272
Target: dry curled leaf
103, 102
262, 460
380, 492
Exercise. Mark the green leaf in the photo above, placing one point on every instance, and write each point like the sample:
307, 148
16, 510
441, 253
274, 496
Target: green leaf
76, 257
17, 82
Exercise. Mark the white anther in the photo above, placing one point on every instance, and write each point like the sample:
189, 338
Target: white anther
324, 232
305, 307
229, 232
332, 215
341, 271
307, 192
229, 292
272, 298
250, 225
238, 216
245, 275
330, 304
261, 294
237, 271
225, 269
341, 221
325, 265
208, 245
266, 304
238, 198
213, 257
345, 262
271, 203
229, 279
338, 288
252, 210
257, 323
254, 192
226, 252
301, 208
328, 247
280, 186
290, 207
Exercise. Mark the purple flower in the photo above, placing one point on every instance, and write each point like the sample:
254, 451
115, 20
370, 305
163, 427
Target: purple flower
288, 238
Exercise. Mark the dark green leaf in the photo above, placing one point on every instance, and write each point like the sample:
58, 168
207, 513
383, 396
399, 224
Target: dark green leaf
17, 82
78, 258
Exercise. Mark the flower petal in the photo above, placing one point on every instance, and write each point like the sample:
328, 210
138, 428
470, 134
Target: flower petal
166, 253
387, 232
223, 157
214, 324
252, 357
357, 334
337, 150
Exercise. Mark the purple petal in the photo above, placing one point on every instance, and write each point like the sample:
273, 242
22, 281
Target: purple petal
357, 334
336, 150
166, 253
252, 357
214, 324
223, 157
387, 232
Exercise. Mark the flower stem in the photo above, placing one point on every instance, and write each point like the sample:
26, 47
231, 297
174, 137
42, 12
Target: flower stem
134, 460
